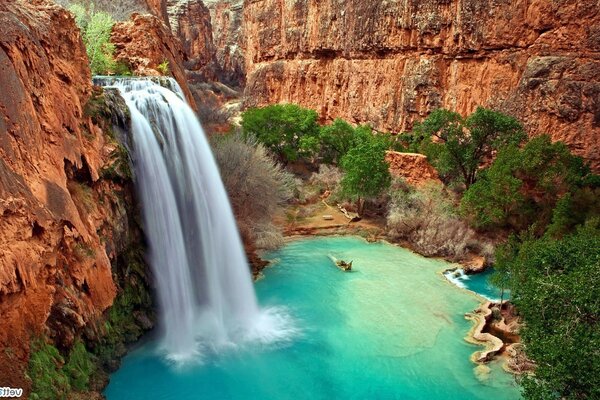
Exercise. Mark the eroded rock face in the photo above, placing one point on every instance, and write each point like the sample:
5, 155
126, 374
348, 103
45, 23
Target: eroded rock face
144, 43
191, 23
211, 34
390, 63
413, 168
62, 222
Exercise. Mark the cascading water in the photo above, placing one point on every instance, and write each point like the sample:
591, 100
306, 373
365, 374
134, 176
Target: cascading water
204, 287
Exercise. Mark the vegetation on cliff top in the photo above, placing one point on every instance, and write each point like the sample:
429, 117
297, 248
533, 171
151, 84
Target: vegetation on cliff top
96, 27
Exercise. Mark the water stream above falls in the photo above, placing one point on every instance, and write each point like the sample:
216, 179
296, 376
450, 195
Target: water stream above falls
391, 329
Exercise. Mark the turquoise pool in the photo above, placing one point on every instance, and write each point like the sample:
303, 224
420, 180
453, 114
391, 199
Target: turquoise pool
392, 328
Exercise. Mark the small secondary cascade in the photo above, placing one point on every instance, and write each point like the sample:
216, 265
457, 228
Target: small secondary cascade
205, 291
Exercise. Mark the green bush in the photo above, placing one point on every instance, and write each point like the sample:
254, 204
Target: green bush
96, 28
366, 173
164, 68
458, 146
555, 285
522, 186
336, 140
289, 131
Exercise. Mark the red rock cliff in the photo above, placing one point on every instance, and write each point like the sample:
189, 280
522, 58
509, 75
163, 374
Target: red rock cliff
144, 43
57, 232
391, 63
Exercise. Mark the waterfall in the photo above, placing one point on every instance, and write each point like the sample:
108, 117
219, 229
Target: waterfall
204, 287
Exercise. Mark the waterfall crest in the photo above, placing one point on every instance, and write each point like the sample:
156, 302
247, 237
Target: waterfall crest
204, 287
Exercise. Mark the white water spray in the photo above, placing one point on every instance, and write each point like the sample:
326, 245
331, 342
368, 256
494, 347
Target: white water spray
204, 287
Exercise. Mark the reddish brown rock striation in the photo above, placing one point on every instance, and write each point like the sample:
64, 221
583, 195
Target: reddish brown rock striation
191, 24
391, 63
159, 8
413, 168
144, 42
228, 38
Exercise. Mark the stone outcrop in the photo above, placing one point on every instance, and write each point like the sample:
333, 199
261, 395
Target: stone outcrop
63, 194
413, 168
228, 38
191, 24
391, 63
144, 43
211, 34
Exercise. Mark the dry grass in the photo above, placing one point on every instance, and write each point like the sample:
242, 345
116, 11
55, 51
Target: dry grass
426, 218
258, 187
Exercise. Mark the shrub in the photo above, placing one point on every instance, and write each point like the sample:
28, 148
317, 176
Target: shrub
458, 146
522, 186
328, 178
426, 218
164, 68
290, 132
555, 285
96, 28
256, 184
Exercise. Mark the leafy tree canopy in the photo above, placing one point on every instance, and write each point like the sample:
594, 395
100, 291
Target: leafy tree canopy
458, 146
555, 285
96, 28
289, 131
522, 186
366, 171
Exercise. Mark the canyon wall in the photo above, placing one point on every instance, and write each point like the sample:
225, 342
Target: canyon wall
389, 63
65, 193
144, 42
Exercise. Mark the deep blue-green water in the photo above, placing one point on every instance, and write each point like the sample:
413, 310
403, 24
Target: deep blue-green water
391, 329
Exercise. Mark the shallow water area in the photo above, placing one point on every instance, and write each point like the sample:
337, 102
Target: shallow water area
392, 328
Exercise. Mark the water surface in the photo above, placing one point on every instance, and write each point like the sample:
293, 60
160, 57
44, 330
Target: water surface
391, 329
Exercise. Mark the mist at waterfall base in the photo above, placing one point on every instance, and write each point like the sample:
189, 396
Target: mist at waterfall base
392, 328
204, 289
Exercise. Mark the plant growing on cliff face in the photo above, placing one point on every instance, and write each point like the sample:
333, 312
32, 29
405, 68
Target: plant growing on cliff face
555, 285
96, 28
287, 130
458, 146
522, 186
164, 68
367, 173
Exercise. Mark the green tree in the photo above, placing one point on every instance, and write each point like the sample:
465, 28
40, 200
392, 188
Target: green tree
336, 140
366, 171
289, 131
96, 28
522, 186
458, 146
555, 285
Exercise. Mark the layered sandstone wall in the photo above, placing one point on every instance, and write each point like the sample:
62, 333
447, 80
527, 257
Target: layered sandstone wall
211, 34
390, 63
144, 43
64, 201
